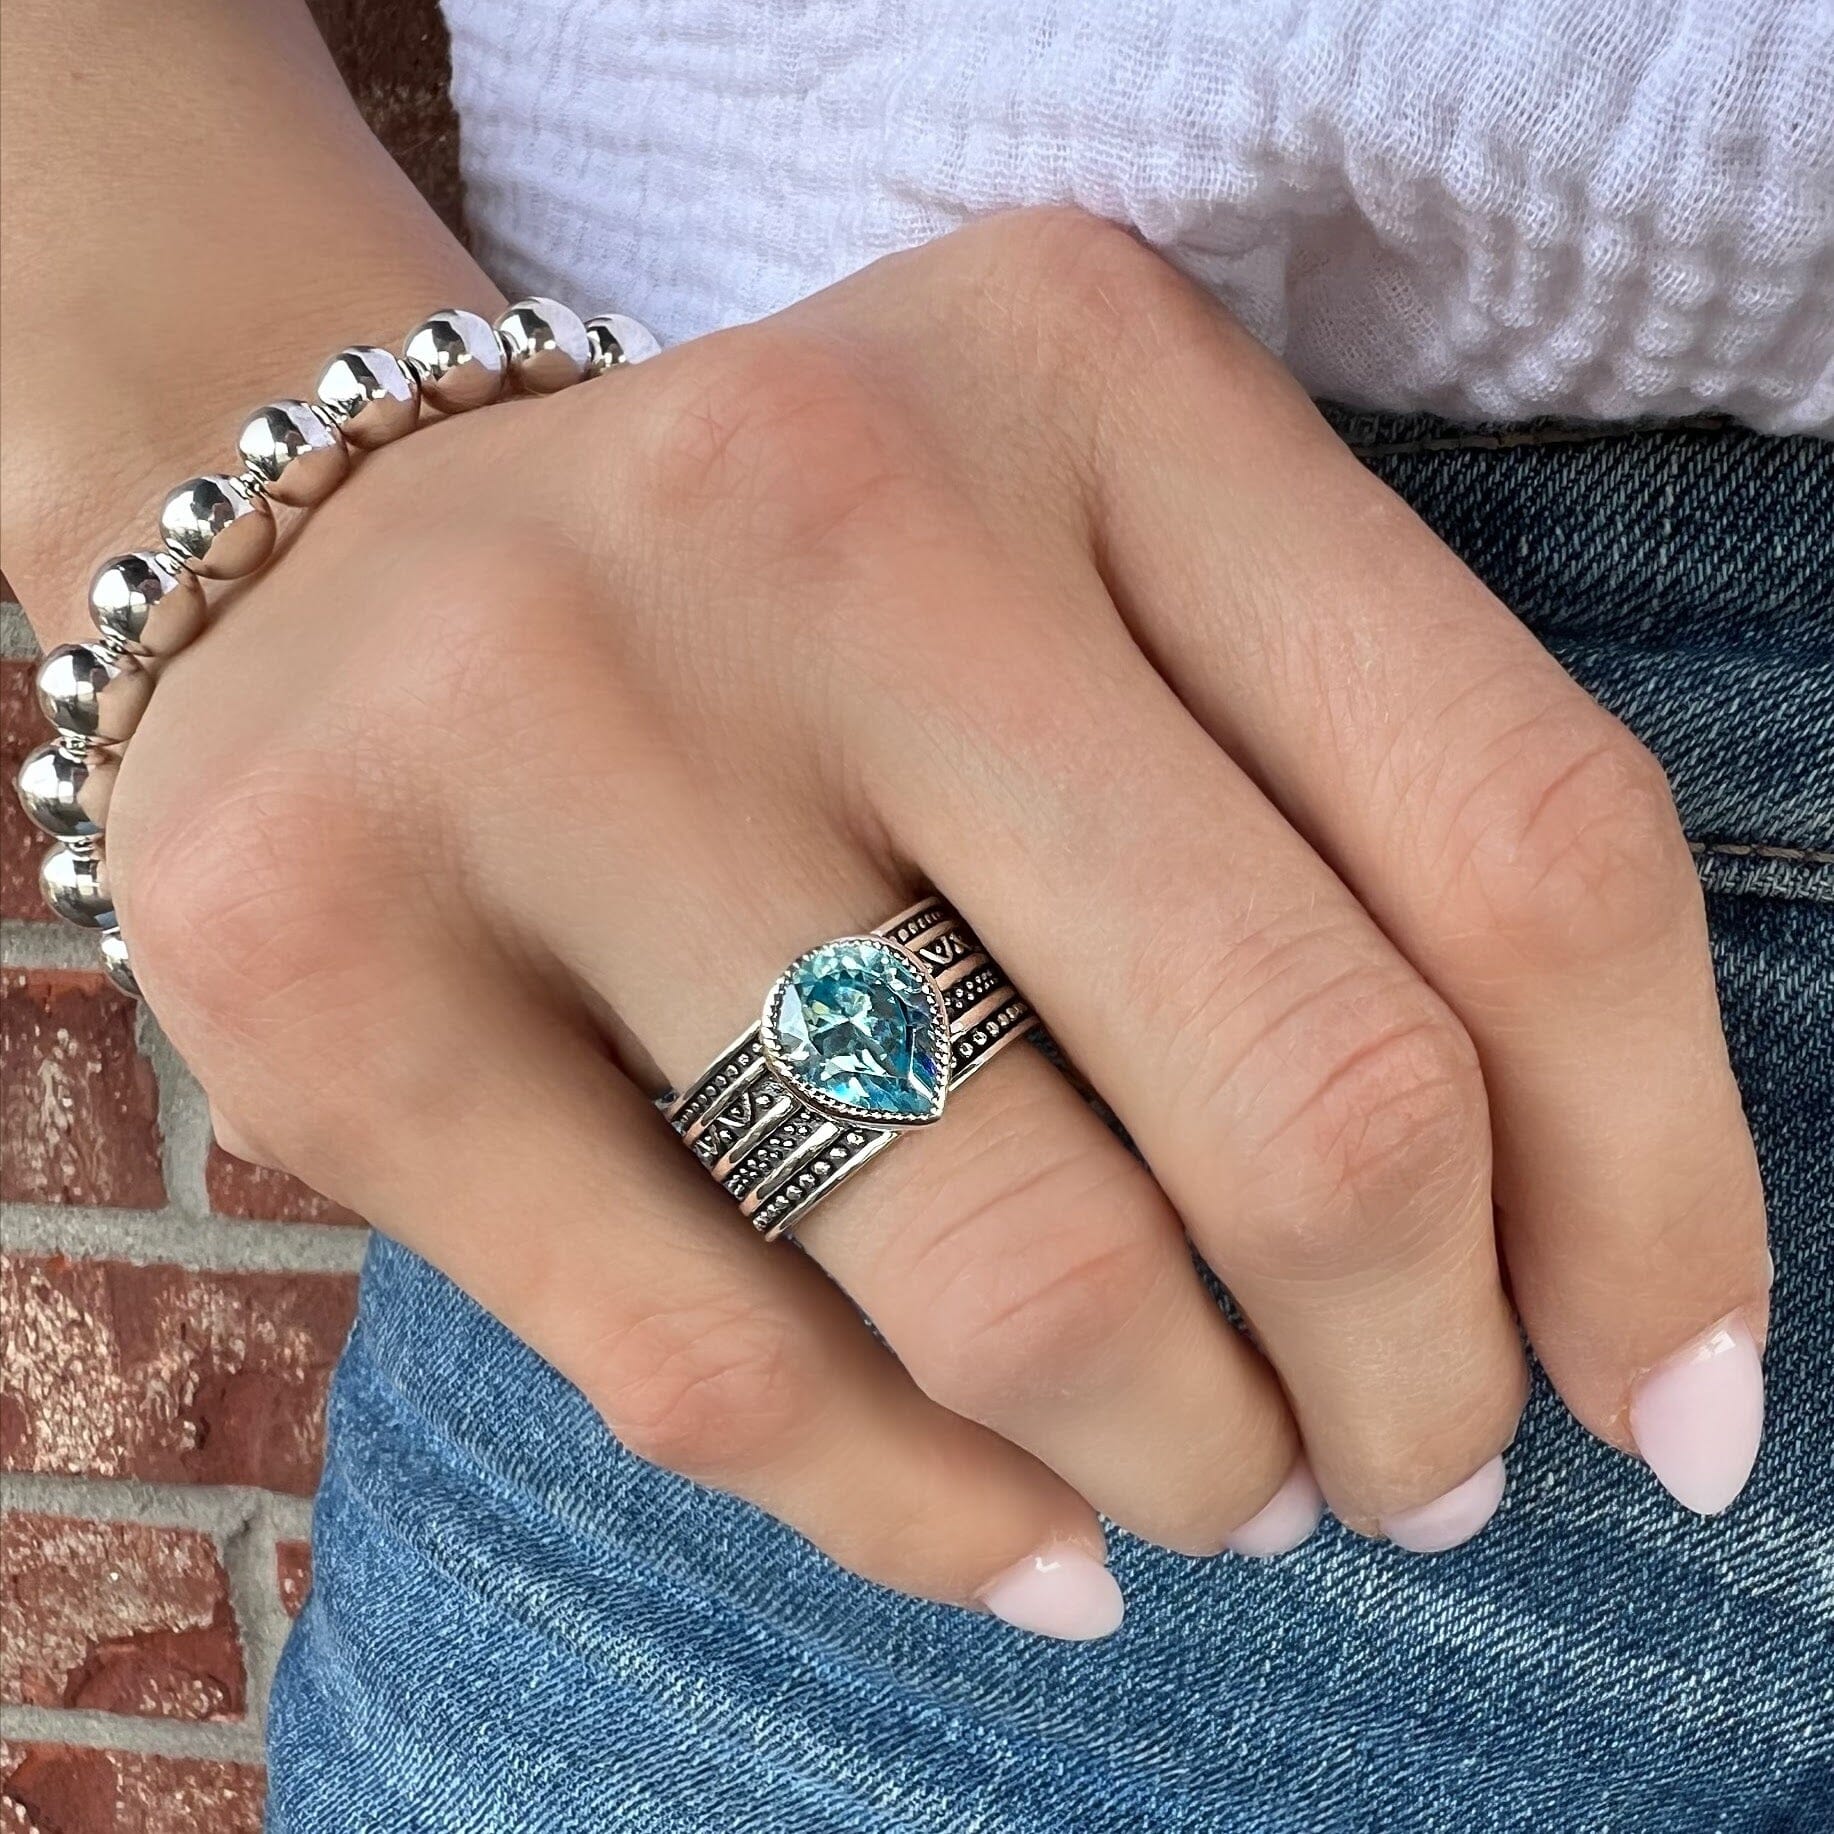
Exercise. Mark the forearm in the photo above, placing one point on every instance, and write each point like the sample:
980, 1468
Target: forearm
195, 219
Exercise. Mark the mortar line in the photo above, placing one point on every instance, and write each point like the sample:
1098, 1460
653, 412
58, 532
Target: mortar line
184, 1120
17, 641
50, 944
216, 1509
254, 1597
210, 1740
202, 1244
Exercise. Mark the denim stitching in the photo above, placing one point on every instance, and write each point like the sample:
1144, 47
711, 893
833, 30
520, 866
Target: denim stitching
1745, 850
1507, 441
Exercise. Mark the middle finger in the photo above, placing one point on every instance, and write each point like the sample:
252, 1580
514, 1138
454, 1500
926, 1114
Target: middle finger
1308, 1103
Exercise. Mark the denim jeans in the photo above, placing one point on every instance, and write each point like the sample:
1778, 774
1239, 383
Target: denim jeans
517, 1626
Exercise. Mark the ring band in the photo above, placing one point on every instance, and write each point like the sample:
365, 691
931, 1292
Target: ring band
860, 1040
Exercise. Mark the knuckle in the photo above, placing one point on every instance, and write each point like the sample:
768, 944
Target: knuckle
1398, 1113
1579, 856
260, 935
1034, 1275
1381, 1130
777, 430
1054, 258
708, 1391
239, 915
1081, 295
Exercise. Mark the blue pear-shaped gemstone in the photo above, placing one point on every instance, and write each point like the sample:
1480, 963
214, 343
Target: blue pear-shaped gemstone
856, 1022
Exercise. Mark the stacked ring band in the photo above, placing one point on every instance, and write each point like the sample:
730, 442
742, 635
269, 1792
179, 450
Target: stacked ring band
860, 1040
148, 605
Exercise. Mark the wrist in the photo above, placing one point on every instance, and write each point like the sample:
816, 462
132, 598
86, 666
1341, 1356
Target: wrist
83, 474
161, 279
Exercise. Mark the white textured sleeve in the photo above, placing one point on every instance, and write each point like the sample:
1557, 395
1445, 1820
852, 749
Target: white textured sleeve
1488, 208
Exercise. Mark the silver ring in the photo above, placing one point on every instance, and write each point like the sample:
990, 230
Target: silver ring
861, 1039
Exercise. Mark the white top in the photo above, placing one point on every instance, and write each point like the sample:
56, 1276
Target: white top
1487, 208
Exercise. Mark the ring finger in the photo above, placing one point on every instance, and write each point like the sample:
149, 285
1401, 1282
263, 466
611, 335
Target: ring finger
1027, 1271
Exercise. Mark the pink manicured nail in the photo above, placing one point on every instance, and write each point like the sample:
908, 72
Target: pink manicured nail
1285, 1521
1433, 1527
1062, 1592
1698, 1417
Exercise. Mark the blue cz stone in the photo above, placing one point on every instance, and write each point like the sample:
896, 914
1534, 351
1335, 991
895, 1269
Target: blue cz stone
853, 1022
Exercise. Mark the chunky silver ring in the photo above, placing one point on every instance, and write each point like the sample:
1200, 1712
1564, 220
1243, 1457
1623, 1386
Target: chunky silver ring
860, 1040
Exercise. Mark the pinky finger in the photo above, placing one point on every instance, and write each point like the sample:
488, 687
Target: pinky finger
729, 1361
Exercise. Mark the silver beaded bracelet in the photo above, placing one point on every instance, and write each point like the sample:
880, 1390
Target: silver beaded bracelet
149, 604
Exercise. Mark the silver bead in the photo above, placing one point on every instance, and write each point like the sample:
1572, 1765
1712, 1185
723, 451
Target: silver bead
617, 340
91, 694
296, 452
65, 795
75, 884
147, 603
546, 345
458, 359
117, 965
218, 527
371, 394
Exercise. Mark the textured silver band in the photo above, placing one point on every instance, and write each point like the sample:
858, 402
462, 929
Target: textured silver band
776, 1152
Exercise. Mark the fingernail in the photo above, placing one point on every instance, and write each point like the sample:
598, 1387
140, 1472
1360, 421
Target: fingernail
1697, 1418
1285, 1521
1061, 1592
1433, 1527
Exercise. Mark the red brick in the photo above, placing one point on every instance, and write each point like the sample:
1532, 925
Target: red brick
166, 1373
69, 1789
79, 1106
293, 1573
118, 1617
240, 1189
22, 729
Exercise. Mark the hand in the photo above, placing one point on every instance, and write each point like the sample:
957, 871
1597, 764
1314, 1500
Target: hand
1012, 567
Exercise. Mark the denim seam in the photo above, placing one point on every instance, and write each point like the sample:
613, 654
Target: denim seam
1759, 850
1507, 441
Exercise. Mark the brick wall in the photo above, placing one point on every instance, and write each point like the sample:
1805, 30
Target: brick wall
171, 1319
171, 1315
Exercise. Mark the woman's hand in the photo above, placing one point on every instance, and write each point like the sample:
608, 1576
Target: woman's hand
1011, 567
